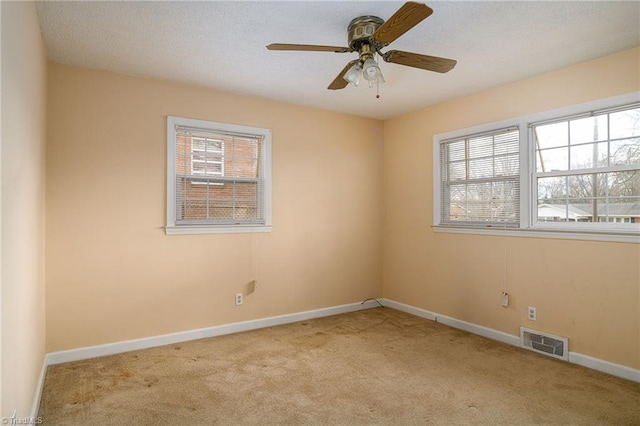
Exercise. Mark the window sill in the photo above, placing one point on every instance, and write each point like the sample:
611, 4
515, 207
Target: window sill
215, 229
618, 237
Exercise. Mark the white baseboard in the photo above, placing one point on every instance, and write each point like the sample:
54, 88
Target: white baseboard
202, 333
455, 323
574, 357
422, 313
39, 387
605, 366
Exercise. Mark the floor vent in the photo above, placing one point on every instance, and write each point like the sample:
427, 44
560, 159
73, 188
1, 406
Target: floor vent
544, 343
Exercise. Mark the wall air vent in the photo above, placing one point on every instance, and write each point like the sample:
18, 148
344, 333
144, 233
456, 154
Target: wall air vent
544, 343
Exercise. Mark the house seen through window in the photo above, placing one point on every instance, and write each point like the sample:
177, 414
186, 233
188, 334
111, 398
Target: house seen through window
207, 156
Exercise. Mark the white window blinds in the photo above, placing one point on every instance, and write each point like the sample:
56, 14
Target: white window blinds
219, 177
480, 179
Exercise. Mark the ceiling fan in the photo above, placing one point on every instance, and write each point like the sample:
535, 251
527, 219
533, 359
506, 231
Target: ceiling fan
367, 35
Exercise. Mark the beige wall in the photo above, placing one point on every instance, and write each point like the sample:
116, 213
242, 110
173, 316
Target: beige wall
23, 202
112, 274
585, 290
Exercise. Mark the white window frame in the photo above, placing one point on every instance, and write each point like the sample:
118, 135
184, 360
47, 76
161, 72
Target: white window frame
171, 228
602, 231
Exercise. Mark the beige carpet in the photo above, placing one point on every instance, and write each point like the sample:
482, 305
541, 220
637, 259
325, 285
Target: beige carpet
378, 366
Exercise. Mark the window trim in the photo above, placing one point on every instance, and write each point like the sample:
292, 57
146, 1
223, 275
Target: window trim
528, 228
171, 228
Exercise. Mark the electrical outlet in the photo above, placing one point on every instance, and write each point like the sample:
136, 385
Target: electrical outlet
238, 299
531, 313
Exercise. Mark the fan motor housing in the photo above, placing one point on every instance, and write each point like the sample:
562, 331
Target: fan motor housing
361, 30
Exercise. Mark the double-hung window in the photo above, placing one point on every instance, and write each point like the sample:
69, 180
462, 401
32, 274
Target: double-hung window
568, 173
587, 168
480, 179
218, 177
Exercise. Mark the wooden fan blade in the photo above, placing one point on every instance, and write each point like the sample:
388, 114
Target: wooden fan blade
339, 82
307, 47
405, 18
425, 62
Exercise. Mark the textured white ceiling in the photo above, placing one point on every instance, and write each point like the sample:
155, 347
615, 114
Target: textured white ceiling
221, 44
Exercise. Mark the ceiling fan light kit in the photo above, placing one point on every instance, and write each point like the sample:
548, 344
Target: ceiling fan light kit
371, 72
368, 35
353, 74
